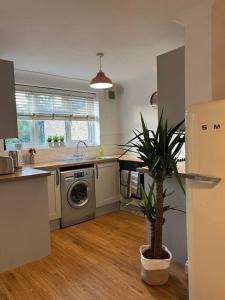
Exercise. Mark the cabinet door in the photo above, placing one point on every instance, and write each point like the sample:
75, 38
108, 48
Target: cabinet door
8, 117
107, 183
54, 197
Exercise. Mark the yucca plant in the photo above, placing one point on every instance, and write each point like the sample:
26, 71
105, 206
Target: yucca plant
159, 151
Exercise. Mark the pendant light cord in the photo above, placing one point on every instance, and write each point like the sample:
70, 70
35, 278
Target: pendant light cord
100, 58
100, 81
100, 55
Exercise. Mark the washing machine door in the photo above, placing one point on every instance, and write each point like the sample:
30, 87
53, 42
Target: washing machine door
78, 194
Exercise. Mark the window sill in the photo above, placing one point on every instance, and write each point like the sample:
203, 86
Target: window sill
66, 146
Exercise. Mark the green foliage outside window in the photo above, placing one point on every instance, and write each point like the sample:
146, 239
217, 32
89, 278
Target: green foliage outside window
24, 135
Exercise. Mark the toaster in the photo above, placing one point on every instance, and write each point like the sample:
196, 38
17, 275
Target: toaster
6, 165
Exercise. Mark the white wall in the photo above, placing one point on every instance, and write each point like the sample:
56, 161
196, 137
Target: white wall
205, 46
198, 53
117, 118
109, 116
218, 48
135, 98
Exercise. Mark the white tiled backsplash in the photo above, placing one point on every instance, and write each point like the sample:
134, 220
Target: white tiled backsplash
61, 153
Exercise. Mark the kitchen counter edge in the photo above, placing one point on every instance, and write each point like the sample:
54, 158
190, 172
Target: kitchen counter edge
24, 173
180, 167
43, 169
53, 165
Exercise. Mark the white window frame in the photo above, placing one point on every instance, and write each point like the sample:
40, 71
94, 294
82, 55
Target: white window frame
92, 138
71, 142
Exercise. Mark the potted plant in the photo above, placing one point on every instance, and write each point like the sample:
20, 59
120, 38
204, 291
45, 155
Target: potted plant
32, 152
159, 151
49, 140
61, 139
56, 140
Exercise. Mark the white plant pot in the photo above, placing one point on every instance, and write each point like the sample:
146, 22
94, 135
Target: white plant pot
155, 271
50, 144
56, 144
62, 144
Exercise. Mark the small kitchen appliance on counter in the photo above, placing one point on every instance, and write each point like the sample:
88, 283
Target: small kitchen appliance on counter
17, 158
6, 165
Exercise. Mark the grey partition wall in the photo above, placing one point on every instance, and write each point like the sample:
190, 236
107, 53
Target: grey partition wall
8, 118
171, 91
174, 228
171, 85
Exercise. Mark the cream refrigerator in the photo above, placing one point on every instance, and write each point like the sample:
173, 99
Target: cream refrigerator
205, 187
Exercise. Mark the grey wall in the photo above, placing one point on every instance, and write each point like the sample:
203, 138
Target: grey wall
171, 85
171, 90
174, 229
24, 222
8, 120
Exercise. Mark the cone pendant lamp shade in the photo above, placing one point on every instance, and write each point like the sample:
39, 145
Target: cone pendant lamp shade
101, 81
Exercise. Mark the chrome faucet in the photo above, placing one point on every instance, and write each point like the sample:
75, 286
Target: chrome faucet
78, 144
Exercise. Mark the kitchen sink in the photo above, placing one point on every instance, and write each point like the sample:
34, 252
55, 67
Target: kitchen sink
77, 158
104, 157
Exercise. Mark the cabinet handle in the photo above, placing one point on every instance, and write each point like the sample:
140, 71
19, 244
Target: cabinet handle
57, 177
96, 171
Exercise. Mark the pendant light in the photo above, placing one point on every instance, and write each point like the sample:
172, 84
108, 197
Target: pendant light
101, 81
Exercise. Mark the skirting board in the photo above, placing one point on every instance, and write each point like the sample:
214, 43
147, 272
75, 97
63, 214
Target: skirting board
107, 209
55, 224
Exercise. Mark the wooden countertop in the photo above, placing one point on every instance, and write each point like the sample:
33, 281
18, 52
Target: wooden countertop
41, 169
180, 167
130, 158
24, 173
52, 165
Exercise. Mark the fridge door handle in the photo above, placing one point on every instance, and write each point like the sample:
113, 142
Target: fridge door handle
198, 177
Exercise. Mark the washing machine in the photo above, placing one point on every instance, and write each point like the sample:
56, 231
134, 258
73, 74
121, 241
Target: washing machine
77, 196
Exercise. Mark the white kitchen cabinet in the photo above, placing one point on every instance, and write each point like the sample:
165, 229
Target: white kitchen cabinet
54, 196
107, 183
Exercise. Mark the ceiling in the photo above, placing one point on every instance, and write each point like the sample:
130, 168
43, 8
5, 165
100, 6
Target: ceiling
62, 37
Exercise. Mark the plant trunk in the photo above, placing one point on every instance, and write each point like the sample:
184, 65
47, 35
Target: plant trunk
159, 219
152, 224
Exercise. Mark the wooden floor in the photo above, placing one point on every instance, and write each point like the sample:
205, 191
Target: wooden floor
98, 259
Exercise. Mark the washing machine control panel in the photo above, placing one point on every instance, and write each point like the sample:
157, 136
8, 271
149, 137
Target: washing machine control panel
79, 175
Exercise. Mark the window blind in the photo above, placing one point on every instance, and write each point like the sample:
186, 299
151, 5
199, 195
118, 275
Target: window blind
44, 103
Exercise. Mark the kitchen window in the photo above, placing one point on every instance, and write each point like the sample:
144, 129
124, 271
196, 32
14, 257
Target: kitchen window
43, 112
